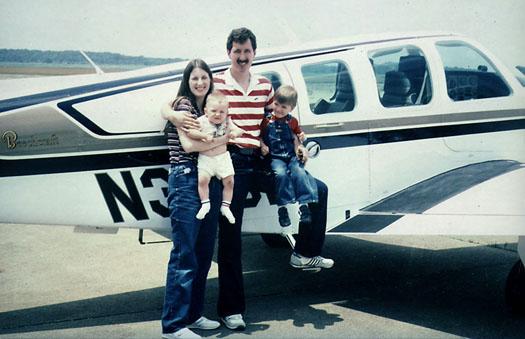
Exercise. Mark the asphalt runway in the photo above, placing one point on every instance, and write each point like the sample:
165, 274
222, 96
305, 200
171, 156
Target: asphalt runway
55, 283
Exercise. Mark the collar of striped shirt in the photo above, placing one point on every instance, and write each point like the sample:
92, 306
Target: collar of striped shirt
254, 81
247, 109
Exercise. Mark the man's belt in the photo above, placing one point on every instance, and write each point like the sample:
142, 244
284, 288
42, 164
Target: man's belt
252, 151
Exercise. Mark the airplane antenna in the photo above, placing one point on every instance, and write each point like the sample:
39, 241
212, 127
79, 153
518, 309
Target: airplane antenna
92, 63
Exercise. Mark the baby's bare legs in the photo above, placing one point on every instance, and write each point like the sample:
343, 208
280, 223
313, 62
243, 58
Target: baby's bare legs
227, 194
204, 194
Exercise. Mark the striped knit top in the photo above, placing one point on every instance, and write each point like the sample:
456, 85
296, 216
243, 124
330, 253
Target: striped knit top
247, 109
176, 152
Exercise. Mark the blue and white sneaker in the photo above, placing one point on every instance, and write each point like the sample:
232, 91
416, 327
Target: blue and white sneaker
299, 261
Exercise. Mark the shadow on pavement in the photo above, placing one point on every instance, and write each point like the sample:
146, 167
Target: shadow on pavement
458, 291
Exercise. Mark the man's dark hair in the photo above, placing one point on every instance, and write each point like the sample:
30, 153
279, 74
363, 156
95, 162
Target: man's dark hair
240, 35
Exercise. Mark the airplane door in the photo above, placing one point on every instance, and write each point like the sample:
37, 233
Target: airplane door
405, 145
336, 130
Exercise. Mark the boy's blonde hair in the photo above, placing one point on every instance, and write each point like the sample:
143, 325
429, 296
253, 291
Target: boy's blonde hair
286, 95
217, 97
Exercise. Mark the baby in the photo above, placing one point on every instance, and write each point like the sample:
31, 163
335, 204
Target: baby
216, 161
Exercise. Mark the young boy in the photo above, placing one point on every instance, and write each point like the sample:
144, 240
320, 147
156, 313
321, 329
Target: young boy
216, 161
281, 138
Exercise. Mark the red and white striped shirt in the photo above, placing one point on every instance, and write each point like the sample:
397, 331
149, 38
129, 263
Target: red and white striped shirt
247, 109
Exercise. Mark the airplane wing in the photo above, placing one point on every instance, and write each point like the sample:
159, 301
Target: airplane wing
479, 199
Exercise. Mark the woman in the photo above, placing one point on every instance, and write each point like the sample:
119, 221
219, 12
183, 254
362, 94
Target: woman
193, 240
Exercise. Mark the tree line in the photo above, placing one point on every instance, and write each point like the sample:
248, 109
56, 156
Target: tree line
76, 58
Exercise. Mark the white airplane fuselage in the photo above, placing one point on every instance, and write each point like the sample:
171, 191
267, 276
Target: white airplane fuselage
87, 150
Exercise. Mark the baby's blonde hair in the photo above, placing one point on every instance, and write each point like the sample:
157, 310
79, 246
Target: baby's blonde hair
218, 97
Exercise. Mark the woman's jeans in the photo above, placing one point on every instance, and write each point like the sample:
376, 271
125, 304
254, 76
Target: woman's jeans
192, 251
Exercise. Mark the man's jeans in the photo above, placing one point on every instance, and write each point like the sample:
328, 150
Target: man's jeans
292, 182
193, 245
310, 239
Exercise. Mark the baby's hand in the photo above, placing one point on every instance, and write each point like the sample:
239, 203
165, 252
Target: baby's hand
232, 135
208, 138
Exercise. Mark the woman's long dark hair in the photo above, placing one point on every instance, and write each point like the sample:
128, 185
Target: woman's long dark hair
184, 89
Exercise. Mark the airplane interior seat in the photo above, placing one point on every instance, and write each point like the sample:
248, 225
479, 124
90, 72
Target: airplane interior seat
396, 90
344, 98
321, 106
414, 67
340, 106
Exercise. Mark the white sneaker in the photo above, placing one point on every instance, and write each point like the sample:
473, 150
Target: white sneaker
234, 322
184, 333
298, 261
204, 323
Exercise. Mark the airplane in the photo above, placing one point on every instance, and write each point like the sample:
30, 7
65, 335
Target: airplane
420, 133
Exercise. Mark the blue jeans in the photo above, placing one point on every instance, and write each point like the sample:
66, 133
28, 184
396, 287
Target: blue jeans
292, 182
192, 251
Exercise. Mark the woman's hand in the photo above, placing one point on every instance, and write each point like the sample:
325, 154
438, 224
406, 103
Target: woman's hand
185, 121
181, 119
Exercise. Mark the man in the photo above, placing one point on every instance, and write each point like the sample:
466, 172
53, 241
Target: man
250, 97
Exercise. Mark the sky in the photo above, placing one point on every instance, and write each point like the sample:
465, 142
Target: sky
187, 29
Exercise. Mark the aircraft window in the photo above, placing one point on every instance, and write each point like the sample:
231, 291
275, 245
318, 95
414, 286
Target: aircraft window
469, 74
402, 76
274, 78
329, 87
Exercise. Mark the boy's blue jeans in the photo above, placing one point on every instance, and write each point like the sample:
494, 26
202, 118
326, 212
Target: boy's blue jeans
293, 183
192, 251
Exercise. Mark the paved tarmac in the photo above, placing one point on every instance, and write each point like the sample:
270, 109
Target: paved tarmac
55, 283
